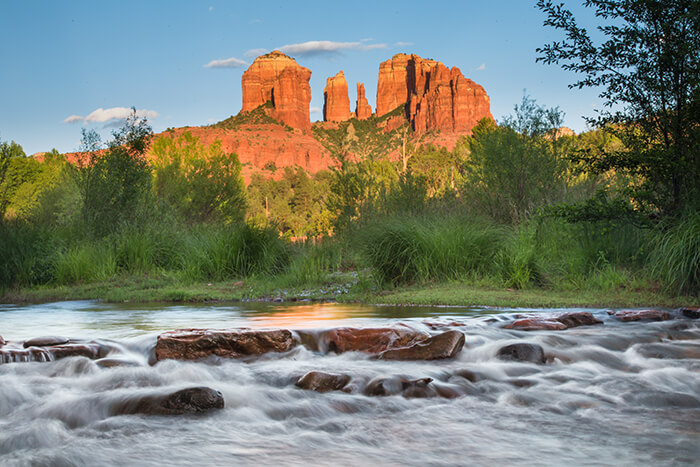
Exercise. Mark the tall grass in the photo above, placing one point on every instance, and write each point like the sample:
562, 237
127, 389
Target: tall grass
225, 252
85, 262
311, 263
675, 258
26, 254
420, 249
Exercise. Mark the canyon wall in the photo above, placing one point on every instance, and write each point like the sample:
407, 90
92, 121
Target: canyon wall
279, 79
436, 97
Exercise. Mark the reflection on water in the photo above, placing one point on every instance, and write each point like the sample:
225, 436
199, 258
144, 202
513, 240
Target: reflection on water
617, 393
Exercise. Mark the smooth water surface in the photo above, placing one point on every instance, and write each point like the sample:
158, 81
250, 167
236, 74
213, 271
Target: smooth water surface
617, 393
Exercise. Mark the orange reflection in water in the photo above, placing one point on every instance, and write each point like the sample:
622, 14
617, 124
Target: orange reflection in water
305, 316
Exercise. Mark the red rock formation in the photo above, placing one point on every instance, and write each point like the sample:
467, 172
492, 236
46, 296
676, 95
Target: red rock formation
336, 103
278, 78
362, 107
436, 97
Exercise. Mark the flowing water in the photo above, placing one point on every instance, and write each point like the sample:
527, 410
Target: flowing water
617, 393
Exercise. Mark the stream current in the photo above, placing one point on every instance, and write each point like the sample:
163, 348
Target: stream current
614, 394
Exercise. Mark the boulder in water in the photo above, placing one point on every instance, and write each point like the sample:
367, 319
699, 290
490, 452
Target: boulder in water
46, 341
389, 386
522, 352
688, 312
186, 401
195, 344
322, 382
638, 315
553, 323
444, 345
369, 340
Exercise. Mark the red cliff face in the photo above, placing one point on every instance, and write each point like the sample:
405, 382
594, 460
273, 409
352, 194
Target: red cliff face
336, 103
362, 107
277, 78
436, 97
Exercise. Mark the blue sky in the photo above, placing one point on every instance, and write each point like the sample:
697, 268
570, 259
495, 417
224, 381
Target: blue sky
73, 64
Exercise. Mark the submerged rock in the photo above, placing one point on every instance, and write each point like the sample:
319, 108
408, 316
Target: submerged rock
554, 323
536, 324
522, 352
186, 401
322, 382
638, 315
115, 362
195, 344
689, 312
46, 341
444, 345
392, 385
33, 353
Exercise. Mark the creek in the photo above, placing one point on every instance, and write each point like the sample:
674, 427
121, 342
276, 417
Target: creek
617, 393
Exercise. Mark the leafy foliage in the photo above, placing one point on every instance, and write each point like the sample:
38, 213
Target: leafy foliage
203, 183
648, 71
515, 168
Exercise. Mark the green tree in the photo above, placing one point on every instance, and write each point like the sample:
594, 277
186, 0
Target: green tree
8, 152
114, 183
648, 70
203, 183
515, 168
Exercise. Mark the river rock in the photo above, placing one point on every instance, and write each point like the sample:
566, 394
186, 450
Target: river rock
392, 385
578, 318
186, 401
2, 341
46, 341
553, 323
536, 324
322, 382
115, 362
522, 352
638, 315
369, 340
444, 345
689, 312
195, 344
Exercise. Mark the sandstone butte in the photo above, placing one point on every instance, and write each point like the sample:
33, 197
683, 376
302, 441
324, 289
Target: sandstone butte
336, 103
436, 97
277, 78
362, 107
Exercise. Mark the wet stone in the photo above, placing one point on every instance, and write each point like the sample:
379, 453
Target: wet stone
522, 352
115, 362
688, 312
638, 315
2, 341
445, 345
186, 401
393, 385
195, 344
322, 382
368, 340
46, 341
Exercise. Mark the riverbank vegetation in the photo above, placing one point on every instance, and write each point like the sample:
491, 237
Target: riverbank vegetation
518, 213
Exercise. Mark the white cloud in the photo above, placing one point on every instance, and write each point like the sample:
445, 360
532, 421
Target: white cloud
315, 110
402, 44
255, 52
117, 113
326, 47
232, 62
211, 8
73, 119
481, 67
